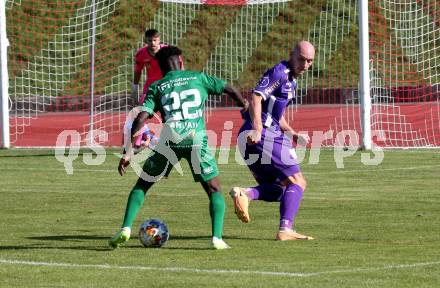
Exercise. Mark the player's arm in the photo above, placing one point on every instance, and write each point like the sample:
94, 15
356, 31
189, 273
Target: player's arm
217, 86
148, 110
271, 80
236, 95
135, 85
297, 137
137, 77
138, 67
136, 129
254, 136
138, 124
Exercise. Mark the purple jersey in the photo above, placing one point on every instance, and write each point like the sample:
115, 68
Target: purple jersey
276, 156
277, 87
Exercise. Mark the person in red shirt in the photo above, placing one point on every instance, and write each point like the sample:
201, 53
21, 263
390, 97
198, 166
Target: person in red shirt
144, 60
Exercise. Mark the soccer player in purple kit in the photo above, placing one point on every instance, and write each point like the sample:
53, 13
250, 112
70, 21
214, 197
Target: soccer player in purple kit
265, 133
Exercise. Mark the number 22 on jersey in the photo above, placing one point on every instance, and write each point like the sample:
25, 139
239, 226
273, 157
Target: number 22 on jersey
185, 105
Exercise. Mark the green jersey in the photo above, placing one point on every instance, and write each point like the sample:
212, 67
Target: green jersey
180, 98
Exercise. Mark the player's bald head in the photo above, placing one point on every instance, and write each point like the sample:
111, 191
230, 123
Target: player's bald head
301, 57
305, 48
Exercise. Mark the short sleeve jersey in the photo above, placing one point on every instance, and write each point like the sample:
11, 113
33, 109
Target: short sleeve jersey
144, 59
277, 88
180, 98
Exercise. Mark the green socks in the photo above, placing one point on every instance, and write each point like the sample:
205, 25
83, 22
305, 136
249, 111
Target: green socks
217, 212
134, 204
216, 209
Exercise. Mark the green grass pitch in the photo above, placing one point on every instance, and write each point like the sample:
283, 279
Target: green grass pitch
375, 226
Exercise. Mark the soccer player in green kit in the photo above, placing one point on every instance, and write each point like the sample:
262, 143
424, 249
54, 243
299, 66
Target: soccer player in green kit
179, 97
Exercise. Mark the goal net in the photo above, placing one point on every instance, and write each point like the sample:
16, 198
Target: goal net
405, 72
70, 64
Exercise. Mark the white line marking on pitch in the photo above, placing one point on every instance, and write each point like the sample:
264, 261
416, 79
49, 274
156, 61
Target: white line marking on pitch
216, 271
114, 171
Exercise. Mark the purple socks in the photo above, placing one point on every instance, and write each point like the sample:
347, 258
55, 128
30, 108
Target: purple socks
289, 197
266, 192
289, 205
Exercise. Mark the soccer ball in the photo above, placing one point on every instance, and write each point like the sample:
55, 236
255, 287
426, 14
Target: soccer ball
153, 233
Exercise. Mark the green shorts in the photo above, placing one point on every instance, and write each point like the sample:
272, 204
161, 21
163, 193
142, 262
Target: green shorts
202, 162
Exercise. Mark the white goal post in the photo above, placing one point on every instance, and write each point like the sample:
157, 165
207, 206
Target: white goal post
4, 96
364, 79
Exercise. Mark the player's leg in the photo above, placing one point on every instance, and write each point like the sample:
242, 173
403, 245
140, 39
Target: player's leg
264, 192
269, 189
243, 196
216, 211
285, 167
241, 201
154, 166
134, 204
204, 169
289, 206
